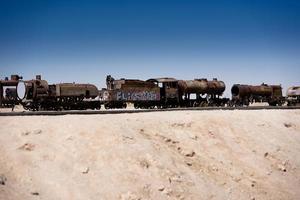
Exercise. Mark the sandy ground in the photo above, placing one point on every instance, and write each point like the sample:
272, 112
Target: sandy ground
162, 155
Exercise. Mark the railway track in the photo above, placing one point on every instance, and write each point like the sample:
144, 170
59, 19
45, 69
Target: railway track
91, 112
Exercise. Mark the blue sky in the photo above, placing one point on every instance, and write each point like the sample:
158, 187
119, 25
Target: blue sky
236, 41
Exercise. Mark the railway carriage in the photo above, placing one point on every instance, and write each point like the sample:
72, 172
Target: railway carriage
246, 94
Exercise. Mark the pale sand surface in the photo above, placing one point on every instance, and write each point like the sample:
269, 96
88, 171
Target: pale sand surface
160, 155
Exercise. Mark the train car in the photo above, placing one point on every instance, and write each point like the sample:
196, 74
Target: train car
118, 93
39, 95
201, 92
293, 96
246, 94
8, 91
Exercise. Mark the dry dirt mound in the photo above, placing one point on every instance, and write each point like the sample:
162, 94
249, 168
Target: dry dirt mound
164, 155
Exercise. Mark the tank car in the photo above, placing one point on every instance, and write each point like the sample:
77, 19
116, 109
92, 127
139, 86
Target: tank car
246, 94
8, 91
293, 96
118, 93
204, 92
39, 95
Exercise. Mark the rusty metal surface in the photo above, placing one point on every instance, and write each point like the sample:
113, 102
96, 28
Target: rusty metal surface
130, 90
201, 86
247, 90
76, 90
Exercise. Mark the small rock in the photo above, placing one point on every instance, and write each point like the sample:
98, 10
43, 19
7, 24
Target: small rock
27, 147
214, 168
266, 154
167, 192
168, 140
177, 178
288, 125
127, 137
161, 188
3, 179
253, 183
190, 154
252, 198
144, 164
285, 162
35, 193
26, 133
189, 164
281, 167
194, 137
39, 131
86, 170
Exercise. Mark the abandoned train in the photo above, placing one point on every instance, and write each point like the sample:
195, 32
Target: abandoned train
152, 93
162, 93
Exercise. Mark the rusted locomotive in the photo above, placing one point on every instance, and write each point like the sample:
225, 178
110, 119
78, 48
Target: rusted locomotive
8, 91
162, 93
39, 95
293, 96
246, 94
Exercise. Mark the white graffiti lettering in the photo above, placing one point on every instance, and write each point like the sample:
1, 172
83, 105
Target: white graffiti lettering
138, 96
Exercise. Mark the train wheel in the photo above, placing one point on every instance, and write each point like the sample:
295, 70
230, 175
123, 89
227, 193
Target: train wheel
203, 104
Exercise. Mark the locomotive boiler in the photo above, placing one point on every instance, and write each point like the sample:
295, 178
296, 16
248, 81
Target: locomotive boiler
200, 87
39, 95
246, 94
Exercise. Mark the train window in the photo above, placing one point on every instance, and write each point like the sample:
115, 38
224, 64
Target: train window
193, 96
160, 85
167, 85
9, 92
87, 93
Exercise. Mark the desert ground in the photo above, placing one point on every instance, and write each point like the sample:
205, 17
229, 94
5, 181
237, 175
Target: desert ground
161, 155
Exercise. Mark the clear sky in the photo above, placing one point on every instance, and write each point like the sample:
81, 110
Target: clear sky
247, 42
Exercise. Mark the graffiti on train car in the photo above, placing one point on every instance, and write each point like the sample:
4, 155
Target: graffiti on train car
141, 96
